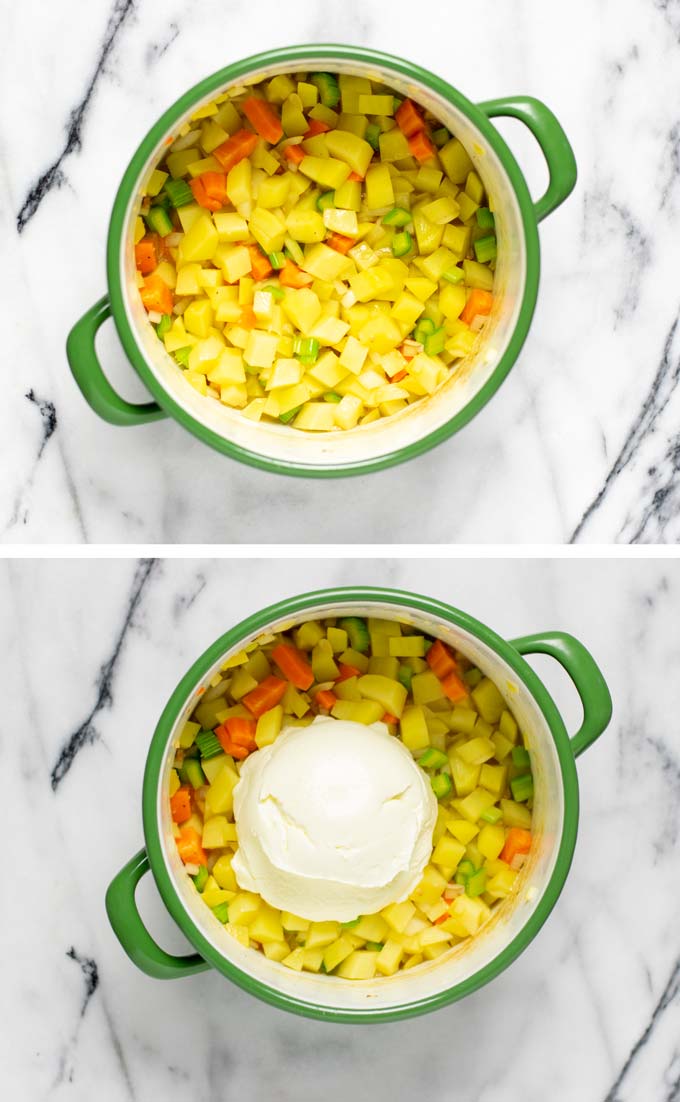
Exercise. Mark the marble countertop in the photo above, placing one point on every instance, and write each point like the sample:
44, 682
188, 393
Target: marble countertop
589, 1012
580, 444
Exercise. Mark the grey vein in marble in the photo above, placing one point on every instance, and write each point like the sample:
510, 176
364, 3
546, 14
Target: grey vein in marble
86, 733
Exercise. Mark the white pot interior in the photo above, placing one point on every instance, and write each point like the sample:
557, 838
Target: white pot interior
369, 442
461, 962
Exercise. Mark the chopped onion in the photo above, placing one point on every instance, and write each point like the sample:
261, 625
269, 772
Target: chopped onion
187, 141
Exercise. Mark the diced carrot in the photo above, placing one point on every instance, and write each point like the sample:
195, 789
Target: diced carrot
517, 841
156, 295
180, 805
326, 699
421, 147
210, 190
316, 126
292, 276
294, 154
239, 145
247, 319
454, 687
261, 268
442, 918
145, 256
229, 744
354, 177
399, 376
340, 243
409, 119
264, 118
479, 302
346, 672
267, 695
440, 660
189, 847
389, 718
293, 665
241, 730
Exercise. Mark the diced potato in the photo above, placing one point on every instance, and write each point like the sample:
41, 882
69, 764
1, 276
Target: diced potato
336, 952
398, 915
359, 965
322, 934
243, 908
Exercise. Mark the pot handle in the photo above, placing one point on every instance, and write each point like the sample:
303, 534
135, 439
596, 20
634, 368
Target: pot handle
553, 142
586, 675
133, 934
87, 372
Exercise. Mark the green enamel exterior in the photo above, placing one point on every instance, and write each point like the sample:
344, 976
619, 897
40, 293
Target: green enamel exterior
534, 114
120, 897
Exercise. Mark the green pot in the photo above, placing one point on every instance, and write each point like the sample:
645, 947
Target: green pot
456, 973
413, 431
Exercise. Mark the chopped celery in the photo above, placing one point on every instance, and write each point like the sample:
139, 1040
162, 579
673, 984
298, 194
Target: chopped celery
485, 218
520, 757
221, 912
201, 878
405, 676
522, 788
435, 342
423, 329
485, 248
329, 92
191, 773
476, 883
402, 243
289, 415
277, 261
164, 324
453, 275
179, 193
441, 785
158, 220
275, 291
432, 759
332, 396
306, 349
357, 631
208, 744
182, 355
374, 946
326, 199
440, 136
397, 217
492, 815
372, 135
464, 870
350, 925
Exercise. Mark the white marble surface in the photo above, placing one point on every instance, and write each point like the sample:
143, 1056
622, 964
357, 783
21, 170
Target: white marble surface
581, 443
590, 1011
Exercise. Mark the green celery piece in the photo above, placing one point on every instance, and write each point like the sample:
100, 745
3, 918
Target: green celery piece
306, 348
485, 248
201, 878
164, 324
424, 327
492, 815
522, 788
357, 631
454, 275
158, 220
287, 417
520, 756
465, 869
434, 342
329, 92
374, 946
432, 758
182, 355
331, 396
440, 136
472, 678
191, 773
441, 785
476, 883
372, 135
277, 261
208, 744
276, 292
485, 218
402, 243
179, 193
327, 199
221, 912
352, 924
397, 217
405, 676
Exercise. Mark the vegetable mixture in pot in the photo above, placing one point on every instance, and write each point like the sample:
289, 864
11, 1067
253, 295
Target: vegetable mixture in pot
314, 250
394, 681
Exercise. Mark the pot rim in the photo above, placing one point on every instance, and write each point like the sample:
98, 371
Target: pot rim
295, 54
366, 595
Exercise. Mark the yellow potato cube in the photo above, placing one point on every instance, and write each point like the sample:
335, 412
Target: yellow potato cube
198, 317
391, 694
274, 191
200, 241
306, 226
327, 370
371, 928
491, 840
327, 171
494, 777
398, 915
452, 300
462, 830
441, 211
266, 925
224, 874
335, 952
295, 960
316, 417
341, 221
230, 226
448, 852
293, 120
413, 728
229, 369
407, 309
389, 957
218, 832
267, 230
275, 950
322, 934
244, 907
360, 711
348, 412
219, 798
234, 260
353, 355
475, 804
325, 263
212, 897
260, 351
348, 195
476, 750
359, 965
187, 279
351, 149
379, 190
239, 933
302, 307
